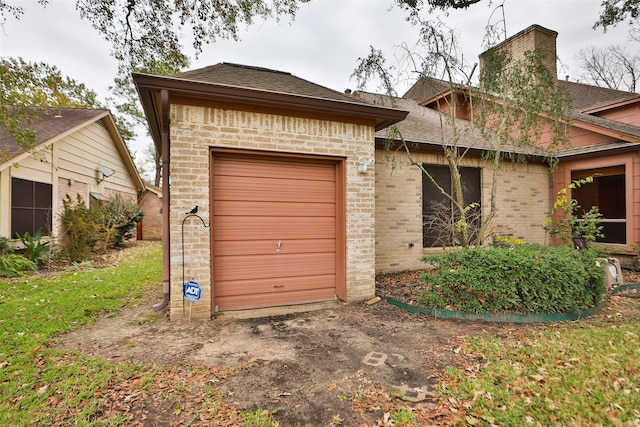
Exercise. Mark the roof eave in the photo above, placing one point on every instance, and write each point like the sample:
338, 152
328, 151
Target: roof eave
605, 131
437, 146
147, 85
612, 106
598, 153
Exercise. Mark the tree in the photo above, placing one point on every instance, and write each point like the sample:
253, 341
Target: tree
149, 164
26, 86
615, 67
515, 102
616, 11
145, 35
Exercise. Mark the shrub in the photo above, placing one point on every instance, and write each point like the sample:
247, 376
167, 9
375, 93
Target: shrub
506, 242
80, 233
99, 228
116, 220
35, 249
524, 279
5, 247
12, 265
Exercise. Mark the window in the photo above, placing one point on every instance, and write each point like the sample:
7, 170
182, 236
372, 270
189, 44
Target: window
608, 192
30, 207
438, 214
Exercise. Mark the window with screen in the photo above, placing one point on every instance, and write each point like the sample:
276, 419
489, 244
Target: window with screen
31, 207
438, 214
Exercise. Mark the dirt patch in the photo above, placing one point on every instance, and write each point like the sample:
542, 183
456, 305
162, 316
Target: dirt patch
347, 365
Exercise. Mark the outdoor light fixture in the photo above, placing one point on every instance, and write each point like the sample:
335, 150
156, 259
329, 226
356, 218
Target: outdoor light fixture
106, 173
364, 164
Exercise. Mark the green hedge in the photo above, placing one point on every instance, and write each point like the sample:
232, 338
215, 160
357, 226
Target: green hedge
525, 279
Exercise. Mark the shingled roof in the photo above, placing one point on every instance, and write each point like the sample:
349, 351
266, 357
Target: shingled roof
48, 123
260, 78
428, 128
587, 97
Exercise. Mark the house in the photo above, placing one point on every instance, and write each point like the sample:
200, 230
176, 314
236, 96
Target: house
604, 135
299, 198
78, 152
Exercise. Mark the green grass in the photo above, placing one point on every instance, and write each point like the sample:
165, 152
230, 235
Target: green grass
579, 375
40, 382
47, 386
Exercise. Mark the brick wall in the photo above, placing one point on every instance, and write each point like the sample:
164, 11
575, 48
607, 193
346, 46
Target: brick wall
152, 222
522, 200
195, 129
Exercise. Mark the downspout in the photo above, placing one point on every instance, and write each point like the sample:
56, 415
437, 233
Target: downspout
166, 256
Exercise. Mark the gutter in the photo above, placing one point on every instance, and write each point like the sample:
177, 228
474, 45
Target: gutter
166, 258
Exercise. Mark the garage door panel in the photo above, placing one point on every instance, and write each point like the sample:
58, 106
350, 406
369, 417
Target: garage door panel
280, 209
258, 201
279, 170
275, 190
268, 247
273, 228
274, 285
273, 266
241, 302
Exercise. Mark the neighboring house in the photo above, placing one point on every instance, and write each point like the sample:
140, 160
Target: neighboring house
150, 228
604, 142
79, 152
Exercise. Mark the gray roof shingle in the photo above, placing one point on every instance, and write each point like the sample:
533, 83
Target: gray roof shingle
431, 128
587, 97
52, 121
263, 79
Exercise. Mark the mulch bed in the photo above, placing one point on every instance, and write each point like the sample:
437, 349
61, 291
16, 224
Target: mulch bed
405, 286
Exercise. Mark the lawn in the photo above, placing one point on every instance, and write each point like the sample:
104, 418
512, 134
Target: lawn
584, 373
579, 373
42, 385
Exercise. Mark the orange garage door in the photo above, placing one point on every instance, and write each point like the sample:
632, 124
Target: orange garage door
274, 231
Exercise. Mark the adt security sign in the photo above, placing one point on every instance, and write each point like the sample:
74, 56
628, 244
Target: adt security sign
192, 291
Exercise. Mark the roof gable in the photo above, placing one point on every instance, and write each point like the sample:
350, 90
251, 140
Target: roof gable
55, 123
48, 124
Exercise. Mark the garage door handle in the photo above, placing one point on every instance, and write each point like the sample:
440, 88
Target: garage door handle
278, 286
278, 244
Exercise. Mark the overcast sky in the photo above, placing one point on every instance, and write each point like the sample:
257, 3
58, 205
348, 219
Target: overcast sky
322, 44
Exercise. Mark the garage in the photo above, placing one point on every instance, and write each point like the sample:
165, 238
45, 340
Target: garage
282, 169
277, 229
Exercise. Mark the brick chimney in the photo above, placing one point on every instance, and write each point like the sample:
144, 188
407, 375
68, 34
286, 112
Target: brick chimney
534, 38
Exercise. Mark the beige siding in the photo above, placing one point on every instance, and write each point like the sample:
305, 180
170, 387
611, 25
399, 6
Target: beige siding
77, 158
195, 129
70, 165
522, 201
5, 202
37, 168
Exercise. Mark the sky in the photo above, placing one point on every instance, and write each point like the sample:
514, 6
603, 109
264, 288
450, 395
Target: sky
322, 44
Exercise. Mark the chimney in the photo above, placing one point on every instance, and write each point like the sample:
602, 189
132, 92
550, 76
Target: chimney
534, 38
